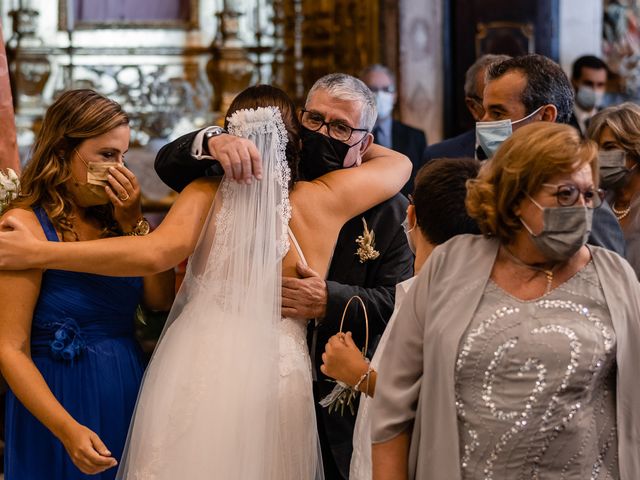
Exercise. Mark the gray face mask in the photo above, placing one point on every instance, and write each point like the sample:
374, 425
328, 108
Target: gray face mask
564, 230
613, 169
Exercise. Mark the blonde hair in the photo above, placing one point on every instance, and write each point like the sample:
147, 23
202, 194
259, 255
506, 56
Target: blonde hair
530, 157
74, 117
624, 122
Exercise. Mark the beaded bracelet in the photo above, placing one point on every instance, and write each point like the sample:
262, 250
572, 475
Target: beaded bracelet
366, 375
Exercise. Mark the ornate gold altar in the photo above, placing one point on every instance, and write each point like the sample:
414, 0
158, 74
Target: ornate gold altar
173, 74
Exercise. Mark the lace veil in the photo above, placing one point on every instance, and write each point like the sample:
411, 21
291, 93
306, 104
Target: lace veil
208, 405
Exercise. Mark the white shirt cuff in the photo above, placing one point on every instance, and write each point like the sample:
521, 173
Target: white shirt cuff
197, 149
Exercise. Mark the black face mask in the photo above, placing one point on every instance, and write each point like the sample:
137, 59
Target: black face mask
320, 154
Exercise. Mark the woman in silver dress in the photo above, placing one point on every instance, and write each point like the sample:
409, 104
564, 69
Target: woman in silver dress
616, 130
514, 355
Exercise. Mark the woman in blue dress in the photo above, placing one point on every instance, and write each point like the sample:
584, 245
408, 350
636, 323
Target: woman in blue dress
67, 348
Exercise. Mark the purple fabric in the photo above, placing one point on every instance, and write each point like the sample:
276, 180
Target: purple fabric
126, 10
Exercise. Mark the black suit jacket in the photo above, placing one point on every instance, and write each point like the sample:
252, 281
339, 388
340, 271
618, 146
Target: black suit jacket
573, 121
373, 280
464, 145
177, 168
410, 142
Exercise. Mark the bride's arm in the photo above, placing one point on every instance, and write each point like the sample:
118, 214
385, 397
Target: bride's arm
351, 191
169, 244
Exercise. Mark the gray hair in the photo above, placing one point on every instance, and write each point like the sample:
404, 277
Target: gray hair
480, 64
346, 87
378, 67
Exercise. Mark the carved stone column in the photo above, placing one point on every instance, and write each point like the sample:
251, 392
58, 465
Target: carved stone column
230, 69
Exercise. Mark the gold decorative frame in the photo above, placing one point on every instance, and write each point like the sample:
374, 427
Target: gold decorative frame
488, 31
191, 24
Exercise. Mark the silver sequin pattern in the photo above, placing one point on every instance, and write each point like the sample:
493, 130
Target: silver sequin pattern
535, 386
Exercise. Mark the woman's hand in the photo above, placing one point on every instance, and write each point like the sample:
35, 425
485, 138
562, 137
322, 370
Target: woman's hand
86, 450
124, 193
18, 245
343, 360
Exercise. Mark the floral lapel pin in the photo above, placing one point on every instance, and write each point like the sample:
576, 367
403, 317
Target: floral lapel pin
367, 244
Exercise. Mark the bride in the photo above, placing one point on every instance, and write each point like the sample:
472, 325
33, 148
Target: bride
227, 394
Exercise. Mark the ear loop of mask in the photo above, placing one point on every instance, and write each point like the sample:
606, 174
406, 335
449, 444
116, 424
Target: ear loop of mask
524, 119
528, 228
355, 145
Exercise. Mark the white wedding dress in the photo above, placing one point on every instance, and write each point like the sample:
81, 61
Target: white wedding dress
228, 393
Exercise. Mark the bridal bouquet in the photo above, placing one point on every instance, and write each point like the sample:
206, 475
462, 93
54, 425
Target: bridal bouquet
9, 188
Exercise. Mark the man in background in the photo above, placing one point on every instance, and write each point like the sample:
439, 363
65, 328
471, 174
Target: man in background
589, 77
464, 145
387, 131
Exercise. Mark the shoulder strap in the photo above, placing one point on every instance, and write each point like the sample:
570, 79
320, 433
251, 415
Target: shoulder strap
296, 245
45, 222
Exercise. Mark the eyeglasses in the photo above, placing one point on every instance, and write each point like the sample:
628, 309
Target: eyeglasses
388, 89
568, 194
335, 129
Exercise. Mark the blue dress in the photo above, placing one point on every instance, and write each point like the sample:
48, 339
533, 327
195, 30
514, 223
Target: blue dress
82, 341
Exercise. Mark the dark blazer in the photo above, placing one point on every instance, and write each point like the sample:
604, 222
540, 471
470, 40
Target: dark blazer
177, 168
573, 121
373, 280
410, 142
464, 145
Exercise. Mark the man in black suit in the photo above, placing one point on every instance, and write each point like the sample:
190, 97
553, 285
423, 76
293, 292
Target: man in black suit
589, 80
312, 297
387, 131
464, 145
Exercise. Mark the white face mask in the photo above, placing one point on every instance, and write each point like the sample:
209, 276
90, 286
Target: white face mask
407, 232
588, 99
384, 103
490, 135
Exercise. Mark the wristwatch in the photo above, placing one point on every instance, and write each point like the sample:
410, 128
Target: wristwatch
141, 228
209, 133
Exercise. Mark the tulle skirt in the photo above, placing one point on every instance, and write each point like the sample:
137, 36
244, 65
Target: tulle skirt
201, 416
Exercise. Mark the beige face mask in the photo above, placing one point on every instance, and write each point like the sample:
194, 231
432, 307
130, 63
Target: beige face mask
97, 172
92, 192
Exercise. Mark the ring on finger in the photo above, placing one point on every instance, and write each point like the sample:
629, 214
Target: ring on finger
123, 197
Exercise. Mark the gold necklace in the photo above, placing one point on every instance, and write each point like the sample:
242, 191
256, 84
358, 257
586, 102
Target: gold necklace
620, 214
548, 272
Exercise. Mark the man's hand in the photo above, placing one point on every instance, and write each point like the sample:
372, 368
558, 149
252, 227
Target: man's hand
304, 298
238, 157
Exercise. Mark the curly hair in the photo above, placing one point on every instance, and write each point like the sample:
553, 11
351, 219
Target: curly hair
74, 117
546, 83
624, 122
530, 157
266, 96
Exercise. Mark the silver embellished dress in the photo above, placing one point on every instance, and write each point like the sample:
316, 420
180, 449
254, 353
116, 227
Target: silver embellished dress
535, 385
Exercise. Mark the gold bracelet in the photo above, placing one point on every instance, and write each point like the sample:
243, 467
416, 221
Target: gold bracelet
141, 228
